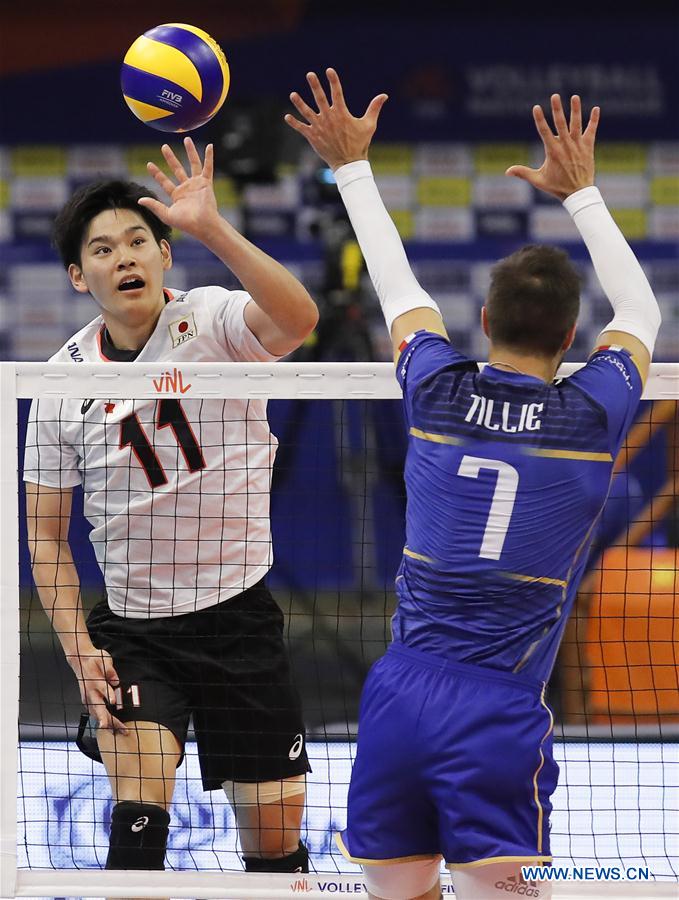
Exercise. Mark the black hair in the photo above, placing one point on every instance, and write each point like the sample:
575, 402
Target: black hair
87, 202
533, 301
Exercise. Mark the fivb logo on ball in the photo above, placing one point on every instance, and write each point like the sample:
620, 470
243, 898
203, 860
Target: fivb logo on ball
175, 77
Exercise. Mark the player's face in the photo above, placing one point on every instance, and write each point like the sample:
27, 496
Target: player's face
122, 266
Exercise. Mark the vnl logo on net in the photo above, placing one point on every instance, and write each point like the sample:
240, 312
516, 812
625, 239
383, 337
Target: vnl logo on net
586, 873
305, 886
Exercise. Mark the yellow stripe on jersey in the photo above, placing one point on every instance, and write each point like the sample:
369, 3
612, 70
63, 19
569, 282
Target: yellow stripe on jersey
536, 578
539, 769
436, 438
380, 862
491, 860
568, 454
413, 555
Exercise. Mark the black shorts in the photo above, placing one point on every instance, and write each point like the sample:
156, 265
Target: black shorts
227, 666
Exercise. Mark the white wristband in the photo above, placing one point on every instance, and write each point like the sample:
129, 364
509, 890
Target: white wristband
352, 171
587, 196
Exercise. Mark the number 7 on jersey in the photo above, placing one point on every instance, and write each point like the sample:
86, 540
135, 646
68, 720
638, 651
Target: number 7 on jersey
502, 504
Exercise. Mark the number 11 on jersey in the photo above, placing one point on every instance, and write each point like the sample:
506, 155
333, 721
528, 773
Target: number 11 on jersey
169, 413
132, 692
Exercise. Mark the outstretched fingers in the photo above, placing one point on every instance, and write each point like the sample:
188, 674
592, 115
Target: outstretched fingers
158, 208
542, 126
336, 92
575, 127
194, 159
296, 125
559, 117
176, 167
593, 124
209, 162
302, 107
317, 91
374, 108
523, 172
161, 178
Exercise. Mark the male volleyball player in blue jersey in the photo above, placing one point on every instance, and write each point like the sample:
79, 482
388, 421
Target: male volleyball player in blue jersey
506, 474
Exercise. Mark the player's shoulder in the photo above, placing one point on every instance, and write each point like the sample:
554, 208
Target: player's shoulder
209, 297
608, 368
420, 338
209, 313
609, 383
81, 346
425, 353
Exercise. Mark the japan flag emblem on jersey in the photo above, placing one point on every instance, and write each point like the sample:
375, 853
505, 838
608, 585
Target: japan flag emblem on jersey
183, 330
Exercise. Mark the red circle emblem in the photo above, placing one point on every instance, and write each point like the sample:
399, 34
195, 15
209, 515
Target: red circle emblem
181, 328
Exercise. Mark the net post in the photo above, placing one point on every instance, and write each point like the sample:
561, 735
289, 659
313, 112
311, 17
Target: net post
9, 629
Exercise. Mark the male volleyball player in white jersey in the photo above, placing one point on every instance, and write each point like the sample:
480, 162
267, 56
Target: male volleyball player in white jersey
506, 474
177, 492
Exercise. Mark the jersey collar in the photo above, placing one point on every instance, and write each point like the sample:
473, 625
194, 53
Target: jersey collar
110, 353
489, 371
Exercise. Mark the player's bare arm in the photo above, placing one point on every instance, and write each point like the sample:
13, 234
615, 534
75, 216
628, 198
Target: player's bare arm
341, 139
283, 313
568, 169
48, 513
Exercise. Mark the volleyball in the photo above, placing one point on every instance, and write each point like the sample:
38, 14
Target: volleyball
175, 77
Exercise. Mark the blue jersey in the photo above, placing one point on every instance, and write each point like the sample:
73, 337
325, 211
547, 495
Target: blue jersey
506, 476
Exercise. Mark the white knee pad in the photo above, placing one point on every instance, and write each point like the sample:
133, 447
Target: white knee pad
497, 880
402, 881
256, 793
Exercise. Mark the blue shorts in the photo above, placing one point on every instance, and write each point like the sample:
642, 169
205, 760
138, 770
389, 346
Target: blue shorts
452, 759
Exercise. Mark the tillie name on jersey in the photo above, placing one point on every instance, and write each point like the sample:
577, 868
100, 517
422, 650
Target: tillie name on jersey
483, 409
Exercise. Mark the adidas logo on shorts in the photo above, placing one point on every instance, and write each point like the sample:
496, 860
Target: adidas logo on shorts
512, 885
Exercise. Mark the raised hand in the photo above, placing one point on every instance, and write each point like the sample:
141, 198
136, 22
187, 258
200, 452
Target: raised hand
569, 154
336, 135
193, 206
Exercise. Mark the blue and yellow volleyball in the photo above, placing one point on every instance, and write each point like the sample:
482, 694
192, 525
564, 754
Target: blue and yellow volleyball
175, 77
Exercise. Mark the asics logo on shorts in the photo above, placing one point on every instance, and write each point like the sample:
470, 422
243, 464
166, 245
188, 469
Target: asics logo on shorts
296, 748
140, 824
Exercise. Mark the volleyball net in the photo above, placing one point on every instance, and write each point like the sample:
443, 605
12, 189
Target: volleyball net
337, 513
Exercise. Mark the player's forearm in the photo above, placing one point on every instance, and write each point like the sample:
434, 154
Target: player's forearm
275, 290
56, 579
620, 275
395, 284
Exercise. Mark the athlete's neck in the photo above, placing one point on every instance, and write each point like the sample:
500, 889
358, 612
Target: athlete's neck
131, 336
535, 366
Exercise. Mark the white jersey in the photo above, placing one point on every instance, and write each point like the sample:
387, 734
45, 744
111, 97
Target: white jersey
177, 491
